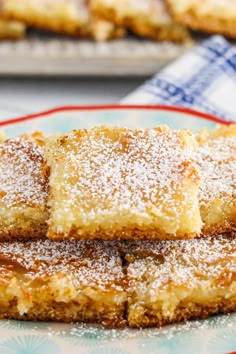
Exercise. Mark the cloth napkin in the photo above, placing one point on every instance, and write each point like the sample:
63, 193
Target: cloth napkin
204, 79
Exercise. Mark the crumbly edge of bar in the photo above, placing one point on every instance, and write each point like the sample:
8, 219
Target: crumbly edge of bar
126, 234
214, 230
37, 230
181, 314
24, 226
110, 316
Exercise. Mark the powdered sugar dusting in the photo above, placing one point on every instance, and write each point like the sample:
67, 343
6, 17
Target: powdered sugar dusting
88, 263
185, 262
132, 169
21, 177
127, 172
217, 162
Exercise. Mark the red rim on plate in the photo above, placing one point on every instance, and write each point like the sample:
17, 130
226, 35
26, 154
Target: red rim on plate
182, 110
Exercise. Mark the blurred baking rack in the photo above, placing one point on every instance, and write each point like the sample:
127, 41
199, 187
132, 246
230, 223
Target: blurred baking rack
42, 55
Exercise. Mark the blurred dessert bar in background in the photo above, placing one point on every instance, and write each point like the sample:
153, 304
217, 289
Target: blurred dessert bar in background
212, 16
71, 17
148, 18
161, 20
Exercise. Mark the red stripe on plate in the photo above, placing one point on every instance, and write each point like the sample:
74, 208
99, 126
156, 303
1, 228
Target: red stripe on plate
187, 111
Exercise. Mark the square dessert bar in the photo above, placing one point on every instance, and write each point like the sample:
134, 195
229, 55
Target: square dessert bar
72, 17
217, 164
175, 281
148, 18
209, 15
111, 183
23, 189
62, 281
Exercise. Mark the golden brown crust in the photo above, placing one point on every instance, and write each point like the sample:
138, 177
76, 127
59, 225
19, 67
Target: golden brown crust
211, 16
24, 230
182, 314
212, 229
109, 316
150, 19
122, 234
110, 182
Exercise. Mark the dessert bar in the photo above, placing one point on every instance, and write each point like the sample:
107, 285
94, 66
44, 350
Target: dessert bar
120, 183
175, 281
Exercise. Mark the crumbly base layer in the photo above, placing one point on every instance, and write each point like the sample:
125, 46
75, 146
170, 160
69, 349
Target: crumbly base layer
110, 316
214, 230
20, 234
27, 223
144, 316
126, 234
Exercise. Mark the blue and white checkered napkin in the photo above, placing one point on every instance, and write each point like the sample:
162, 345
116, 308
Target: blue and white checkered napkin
204, 79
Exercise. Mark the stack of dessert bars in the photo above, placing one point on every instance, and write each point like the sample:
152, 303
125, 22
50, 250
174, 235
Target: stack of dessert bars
118, 226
